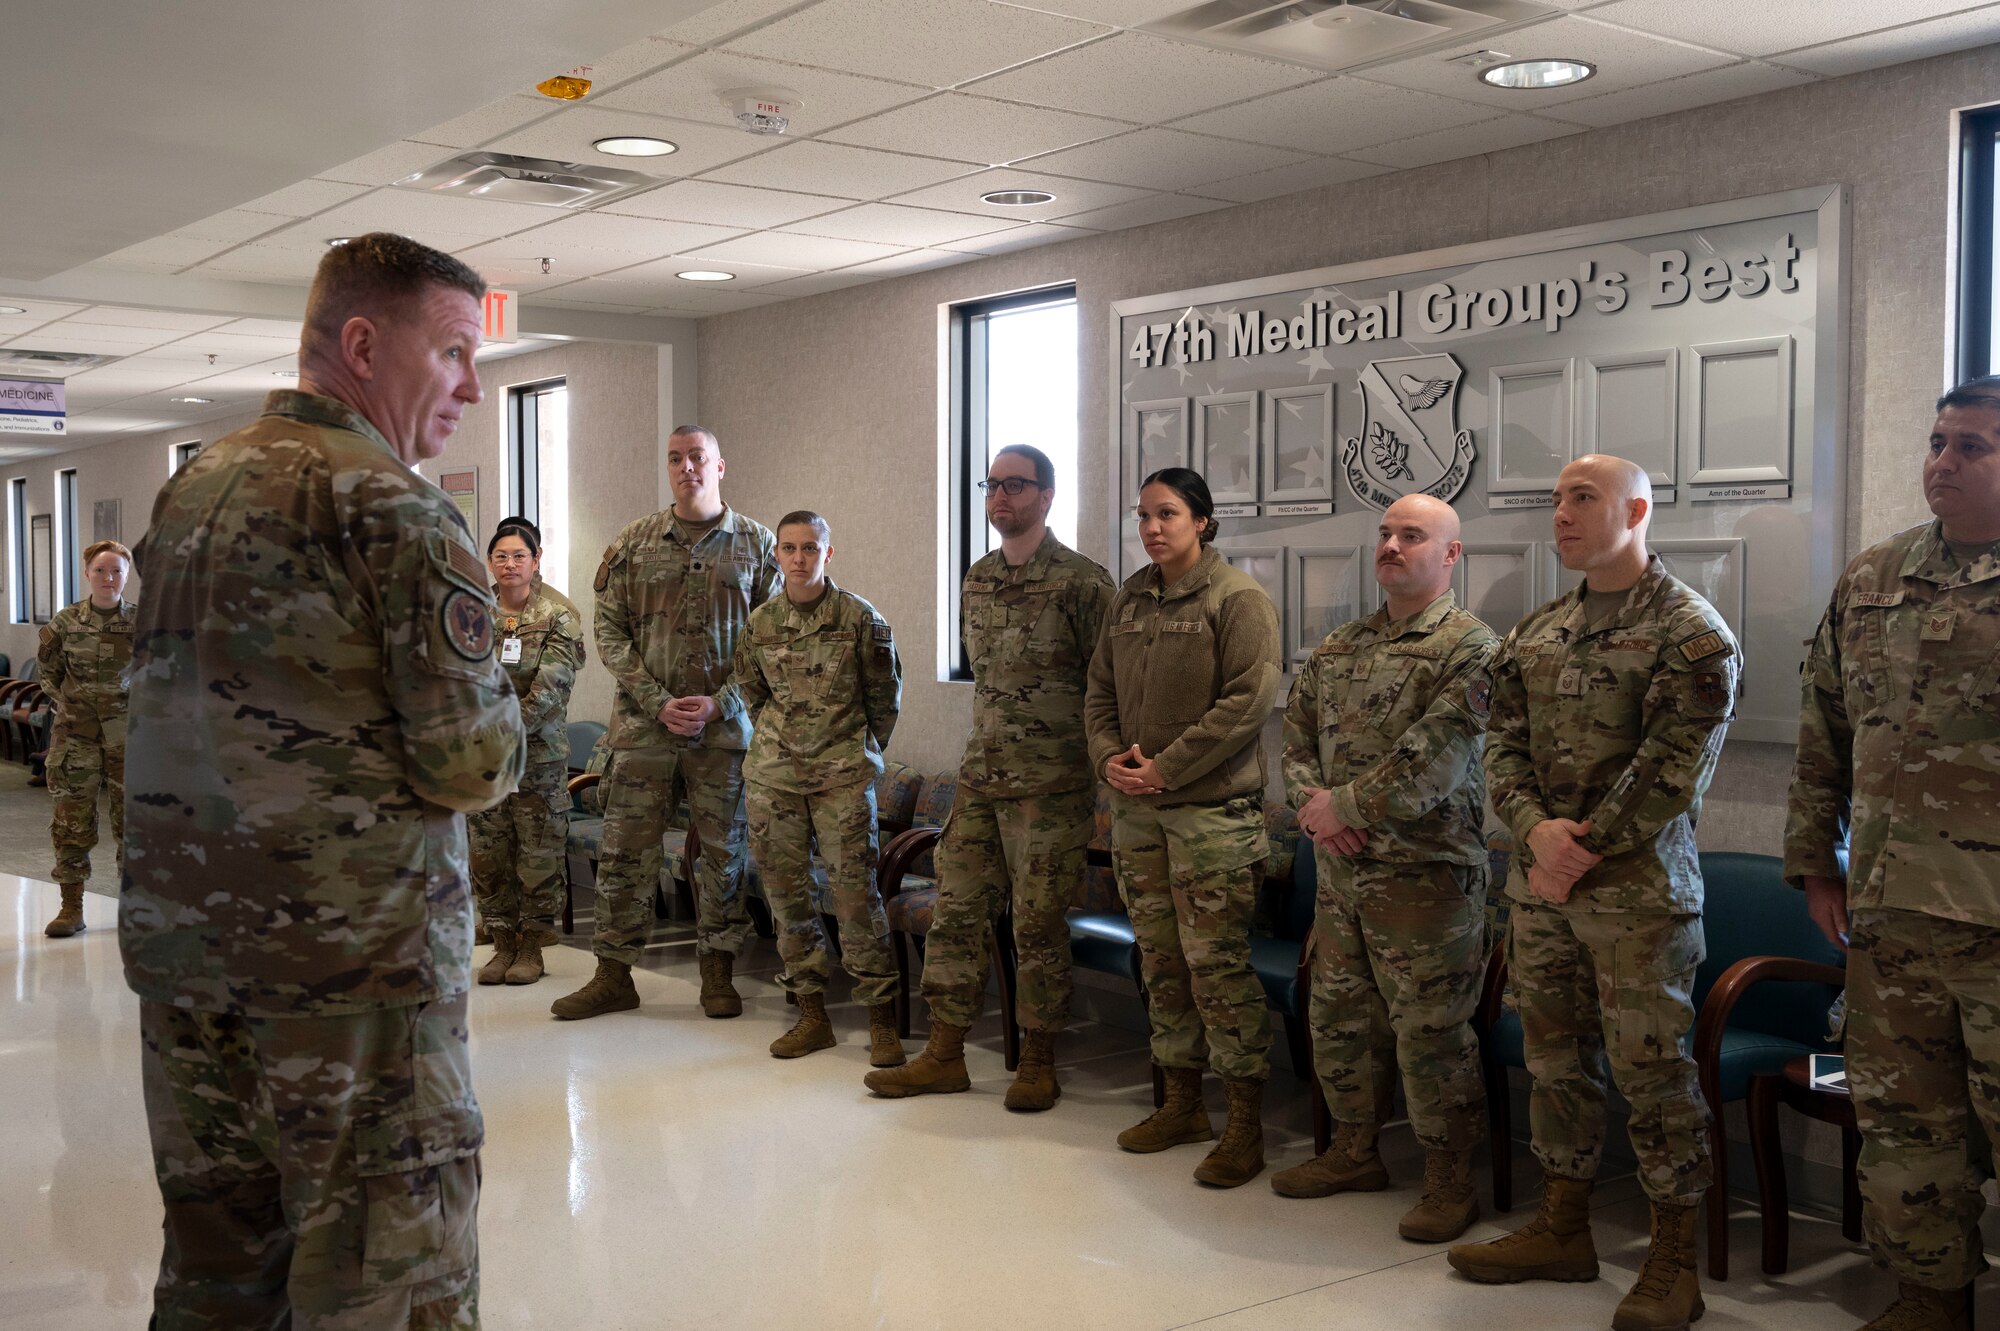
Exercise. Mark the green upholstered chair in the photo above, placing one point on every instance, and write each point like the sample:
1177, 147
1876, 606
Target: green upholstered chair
1761, 998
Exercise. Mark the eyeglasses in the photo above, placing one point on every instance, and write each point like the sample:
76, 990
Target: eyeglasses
511, 559
1013, 485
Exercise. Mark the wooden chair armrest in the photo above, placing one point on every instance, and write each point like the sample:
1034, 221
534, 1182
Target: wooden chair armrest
13, 688
583, 781
900, 854
1731, 985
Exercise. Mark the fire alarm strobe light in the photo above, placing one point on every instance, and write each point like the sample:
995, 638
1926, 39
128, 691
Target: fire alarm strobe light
763, 110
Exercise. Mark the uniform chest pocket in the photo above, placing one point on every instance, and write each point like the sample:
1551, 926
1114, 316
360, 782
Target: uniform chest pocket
1389, 683
1183, 669
653, 582
1868, 633
819, 670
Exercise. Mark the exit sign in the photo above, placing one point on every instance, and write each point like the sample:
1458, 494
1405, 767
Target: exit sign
503, 315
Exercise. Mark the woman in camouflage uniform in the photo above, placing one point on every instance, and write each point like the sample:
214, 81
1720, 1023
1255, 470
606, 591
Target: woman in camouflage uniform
518, 845
83, 655
1184, 677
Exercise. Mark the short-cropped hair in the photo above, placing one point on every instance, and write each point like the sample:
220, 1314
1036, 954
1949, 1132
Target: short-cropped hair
377, 276
1045, 470
1981, 392
805, 517
701, 430
96, 548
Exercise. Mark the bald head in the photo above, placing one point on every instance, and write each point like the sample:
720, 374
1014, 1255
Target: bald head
1603, 505
1416, 547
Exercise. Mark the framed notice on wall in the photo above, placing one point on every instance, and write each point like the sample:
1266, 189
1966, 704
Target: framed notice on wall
42, 568
105, 521
1706, 345
463, 488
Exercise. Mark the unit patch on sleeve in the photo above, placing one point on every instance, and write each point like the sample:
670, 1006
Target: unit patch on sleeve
467, 626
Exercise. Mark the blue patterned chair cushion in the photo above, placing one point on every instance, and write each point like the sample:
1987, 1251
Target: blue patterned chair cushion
911, 910
896, 792
585, 836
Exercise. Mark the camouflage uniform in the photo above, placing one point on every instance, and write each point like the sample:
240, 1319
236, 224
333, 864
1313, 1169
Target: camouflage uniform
314, 704
519, 846
1187, 859
1389, 716
1899, 767
1622, 725
1026, 795
823, 685
671, 603
83, 655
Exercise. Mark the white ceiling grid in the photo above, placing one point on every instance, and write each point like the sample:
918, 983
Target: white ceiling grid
911, 110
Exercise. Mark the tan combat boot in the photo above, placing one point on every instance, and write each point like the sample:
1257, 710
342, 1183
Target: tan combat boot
1239, 1156
1350, 1164
1555, 1245
505, 943
1182, 1119
1449, 1204
610, 990
812, 1031
69, 919
527, 965
541, 931
718, 992
1667, 1294
1034, 1085
938, 1070
885, 1047
1919, 1308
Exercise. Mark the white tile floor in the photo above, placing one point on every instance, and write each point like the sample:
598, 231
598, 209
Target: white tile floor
658, 1170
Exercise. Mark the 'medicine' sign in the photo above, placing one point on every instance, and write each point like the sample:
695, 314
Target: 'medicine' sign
31, 406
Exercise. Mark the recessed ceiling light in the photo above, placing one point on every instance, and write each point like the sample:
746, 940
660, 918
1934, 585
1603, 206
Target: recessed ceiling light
12, 309
1533, 75
634, 145
193, 401
705, 275
284, 374
1017, 198
334, 242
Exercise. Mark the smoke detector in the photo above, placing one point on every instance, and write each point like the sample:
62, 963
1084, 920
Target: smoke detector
506, 178
763, 110
49, 364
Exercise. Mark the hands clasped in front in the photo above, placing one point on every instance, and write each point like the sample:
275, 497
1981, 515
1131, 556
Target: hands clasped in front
688, 717
1560, 858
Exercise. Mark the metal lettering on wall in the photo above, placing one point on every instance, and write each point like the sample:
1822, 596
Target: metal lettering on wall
1707, 345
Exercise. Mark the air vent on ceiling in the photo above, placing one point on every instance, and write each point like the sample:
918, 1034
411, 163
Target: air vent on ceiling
49, 364
1330, 35
505, 178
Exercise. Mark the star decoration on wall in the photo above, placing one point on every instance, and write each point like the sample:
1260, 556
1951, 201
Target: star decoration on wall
1316, 363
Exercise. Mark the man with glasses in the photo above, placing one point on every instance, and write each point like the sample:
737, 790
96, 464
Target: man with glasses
1029, 615
673, 593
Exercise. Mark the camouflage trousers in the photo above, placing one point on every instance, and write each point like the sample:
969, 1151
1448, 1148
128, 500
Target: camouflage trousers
79, 770
1402, 948
1188, 873
320, 1173
1616, 985
1923, 1056
520, 851
784, 827
1025, 853
642, 791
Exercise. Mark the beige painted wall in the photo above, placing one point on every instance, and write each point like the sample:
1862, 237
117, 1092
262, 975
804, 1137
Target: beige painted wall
128, 470
832, 401
615, 400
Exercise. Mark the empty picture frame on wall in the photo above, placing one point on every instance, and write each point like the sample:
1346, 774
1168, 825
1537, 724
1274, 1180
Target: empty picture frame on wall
1325, 589
1267, 565
1529, 435
1496, 581
1298, 443
1740, 411
1628, 405
1225, 446
1158, 431
106, 523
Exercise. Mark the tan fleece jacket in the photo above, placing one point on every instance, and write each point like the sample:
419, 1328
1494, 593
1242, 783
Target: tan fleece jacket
1189, 673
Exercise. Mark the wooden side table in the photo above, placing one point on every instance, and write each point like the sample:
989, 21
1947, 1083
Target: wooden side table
1793, 1087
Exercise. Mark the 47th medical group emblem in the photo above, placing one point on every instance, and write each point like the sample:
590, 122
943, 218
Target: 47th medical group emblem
1410, 442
